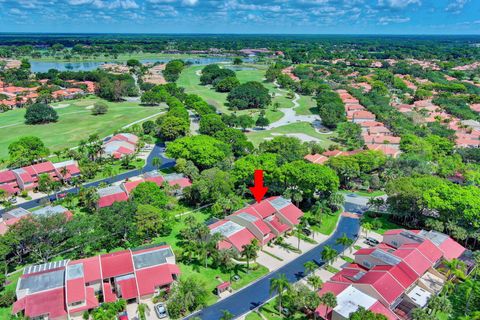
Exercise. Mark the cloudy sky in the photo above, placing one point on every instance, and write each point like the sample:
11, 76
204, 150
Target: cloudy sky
242, 16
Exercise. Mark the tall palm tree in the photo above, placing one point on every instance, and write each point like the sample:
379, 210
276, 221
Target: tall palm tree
157, 162
250, 252
310, 267
279, 285
142, 311
344, 241
315, 281
366, 226
328, 254
329, 301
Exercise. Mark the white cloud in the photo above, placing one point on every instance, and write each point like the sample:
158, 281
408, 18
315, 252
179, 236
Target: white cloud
388, 20
104, 4
398, 4
190, 2
456, 6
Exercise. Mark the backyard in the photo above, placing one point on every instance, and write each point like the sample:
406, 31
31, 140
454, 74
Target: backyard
74, 124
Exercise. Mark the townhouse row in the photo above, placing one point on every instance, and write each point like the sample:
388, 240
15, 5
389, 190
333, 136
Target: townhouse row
393, 278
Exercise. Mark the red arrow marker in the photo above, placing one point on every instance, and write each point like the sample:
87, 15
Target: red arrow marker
258, 190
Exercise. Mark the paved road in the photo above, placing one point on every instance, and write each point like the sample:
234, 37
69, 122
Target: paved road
156, 152
258, 293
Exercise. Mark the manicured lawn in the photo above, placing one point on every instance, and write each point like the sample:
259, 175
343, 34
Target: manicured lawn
253, 316
11, 286
256, 137
74, 124
331, 269
307, 106
190, 80
329, 223
270, 312
386, 224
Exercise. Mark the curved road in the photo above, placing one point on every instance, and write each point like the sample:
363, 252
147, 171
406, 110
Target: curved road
156, 152
258, 292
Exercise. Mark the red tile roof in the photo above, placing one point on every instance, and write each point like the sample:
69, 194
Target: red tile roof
91, 268
128, 288
384, 283
7, 176
378, 307
451, 249
108, 295
75, 290
428, 249
151, 278
107, 201
316, 158
116, 264
42, 303
130, 185
264, 208
292, 213
414, 259
182, 182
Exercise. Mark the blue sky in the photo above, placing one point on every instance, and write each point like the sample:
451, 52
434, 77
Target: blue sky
242, 16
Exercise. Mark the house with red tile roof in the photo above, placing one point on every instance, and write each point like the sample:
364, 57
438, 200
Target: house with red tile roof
385, 149
264, 221
361, 116
65, 289
400, 273
8, 182
109, 195
120, 145
27, 177
316, 158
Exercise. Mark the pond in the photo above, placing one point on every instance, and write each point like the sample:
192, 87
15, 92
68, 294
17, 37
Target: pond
41, 66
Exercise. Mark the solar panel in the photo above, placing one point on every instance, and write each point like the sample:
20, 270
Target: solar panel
45, 267
247, 217
279, 203
151, 258
227, 229
386, 257
75, 271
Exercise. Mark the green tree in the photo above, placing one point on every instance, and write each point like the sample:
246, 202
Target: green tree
245, 121
99, 108
362, 314
248, 96
278, 285
26, 150
315, 281
227, 84
329, 301
40, 113
157, 162
211, 124
344, 241
142, 311
328, 254
350, 135
310, 267
262, 121
250, 251
149, 193
172, 127
152, 221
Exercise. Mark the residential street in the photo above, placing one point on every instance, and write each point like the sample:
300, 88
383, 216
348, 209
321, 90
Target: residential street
259, 292
156, 152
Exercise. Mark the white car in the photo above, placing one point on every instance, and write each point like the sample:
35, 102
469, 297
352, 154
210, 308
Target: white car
161, 311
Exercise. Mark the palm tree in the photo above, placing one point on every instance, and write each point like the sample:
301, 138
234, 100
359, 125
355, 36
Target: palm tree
279, 285
310, 267
142, 311
329, 301
454, 268
328, 254
298, 229
315, 281
250, 252
226, 315
157, 162
366, 226
344, 241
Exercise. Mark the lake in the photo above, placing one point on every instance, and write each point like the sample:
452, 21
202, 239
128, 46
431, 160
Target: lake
41, 66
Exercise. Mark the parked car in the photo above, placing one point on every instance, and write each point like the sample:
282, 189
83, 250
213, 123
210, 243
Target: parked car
236, 277
307, 232
13, 200
371, 241
161, 311
122, 316
62, 195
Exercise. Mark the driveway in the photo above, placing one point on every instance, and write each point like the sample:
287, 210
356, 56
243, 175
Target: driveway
258, 292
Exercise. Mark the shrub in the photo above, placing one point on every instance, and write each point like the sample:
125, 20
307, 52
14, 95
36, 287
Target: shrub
99, 108
39, 113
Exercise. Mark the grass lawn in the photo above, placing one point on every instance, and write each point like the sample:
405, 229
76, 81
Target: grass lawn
11, 286
74, 124
328, 223
307, 106
256, 137
270, 312
190, 80
386, 224
331, 269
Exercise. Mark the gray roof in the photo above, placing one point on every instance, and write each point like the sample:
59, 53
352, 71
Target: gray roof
18, 212
43, 281
412, 236
386, 257
173, 176
152, 174
108, 191
151, 258
247, 216
436, 237
50, 210
279, 203
75, 271
227, 229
